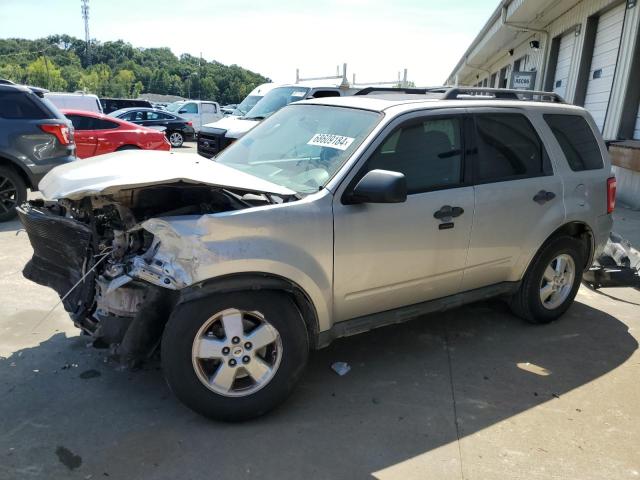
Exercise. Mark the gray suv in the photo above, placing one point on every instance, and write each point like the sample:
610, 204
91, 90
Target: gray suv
332, 217
34, 138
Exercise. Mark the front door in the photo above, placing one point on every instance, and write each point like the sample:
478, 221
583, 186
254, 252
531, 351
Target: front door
189, 111
393, 255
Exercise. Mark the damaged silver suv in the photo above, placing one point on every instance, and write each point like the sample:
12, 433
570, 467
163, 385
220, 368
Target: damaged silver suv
332, 217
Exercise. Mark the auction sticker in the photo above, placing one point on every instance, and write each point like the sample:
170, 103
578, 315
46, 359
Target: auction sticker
332, 141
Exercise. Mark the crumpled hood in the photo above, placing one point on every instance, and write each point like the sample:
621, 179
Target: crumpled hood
110, 173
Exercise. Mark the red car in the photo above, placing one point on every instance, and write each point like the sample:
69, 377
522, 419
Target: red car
96, 134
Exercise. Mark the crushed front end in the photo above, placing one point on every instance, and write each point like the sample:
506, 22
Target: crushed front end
104, 265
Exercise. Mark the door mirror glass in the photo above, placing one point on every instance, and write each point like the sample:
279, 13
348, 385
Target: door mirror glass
380, 186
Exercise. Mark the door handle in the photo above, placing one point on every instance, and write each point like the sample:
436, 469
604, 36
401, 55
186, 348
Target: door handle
543, 197
447, 211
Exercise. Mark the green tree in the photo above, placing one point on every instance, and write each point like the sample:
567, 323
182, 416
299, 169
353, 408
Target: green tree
121, 84
44, 73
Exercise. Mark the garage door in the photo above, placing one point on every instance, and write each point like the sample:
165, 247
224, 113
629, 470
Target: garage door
565, 55
603, 64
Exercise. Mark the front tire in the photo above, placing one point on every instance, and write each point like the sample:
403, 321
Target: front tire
176, 139
235, 356
13, 192
552, 281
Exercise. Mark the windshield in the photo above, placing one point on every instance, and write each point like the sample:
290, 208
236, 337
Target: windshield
247, 104
302, 146
275, 100
173, 107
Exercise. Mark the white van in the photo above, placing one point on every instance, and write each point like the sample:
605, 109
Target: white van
215, 137
75, 101
254, 96
199, 112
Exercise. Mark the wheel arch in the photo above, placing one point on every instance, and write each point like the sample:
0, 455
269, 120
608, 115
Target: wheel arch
257, 281
576, 229
19, 168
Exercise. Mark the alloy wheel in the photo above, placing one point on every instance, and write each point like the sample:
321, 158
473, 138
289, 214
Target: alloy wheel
235, 353
557, 281
8, 195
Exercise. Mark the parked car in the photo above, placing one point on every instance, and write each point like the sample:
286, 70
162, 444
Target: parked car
215, 137
97, 134
112, 104
34, 138
197, 111
332, 217
229, 109
177, 129
75, 101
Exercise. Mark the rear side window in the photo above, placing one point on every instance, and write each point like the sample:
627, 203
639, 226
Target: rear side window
16, 105
81, 122
576, 139
508, 148
209, 108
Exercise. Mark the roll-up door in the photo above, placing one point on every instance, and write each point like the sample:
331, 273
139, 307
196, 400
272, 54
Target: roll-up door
603, 63
563, 66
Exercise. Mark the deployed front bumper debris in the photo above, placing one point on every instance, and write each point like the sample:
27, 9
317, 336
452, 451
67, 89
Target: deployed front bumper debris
62, 254
618, 266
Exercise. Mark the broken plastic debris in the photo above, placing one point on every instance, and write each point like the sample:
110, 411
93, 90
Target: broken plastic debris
341, 368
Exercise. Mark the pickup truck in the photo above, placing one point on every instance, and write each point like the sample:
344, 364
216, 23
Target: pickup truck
199, 112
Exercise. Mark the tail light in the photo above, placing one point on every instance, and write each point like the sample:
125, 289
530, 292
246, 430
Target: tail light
61, 131
190, 123
611, 194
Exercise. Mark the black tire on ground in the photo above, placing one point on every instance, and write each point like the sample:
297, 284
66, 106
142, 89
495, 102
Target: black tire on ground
526, 303
13, 192
177, 343
127, 147
176, 139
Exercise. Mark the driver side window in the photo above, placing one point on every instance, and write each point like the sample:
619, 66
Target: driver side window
427, 152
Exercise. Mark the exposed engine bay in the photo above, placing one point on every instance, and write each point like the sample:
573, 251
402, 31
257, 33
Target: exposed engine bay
96, 255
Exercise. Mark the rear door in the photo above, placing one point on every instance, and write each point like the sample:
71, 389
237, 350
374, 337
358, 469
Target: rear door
394, 255
518, 197
209, 113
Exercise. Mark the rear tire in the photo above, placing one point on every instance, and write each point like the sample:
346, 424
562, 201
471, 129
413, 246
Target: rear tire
551, 282
13, 192
235, 380
176, 139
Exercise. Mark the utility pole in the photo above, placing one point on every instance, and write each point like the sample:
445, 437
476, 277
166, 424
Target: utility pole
200, 77
87, 38
46, 66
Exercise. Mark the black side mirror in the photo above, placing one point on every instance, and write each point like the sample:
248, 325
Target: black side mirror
380, 186
182, 111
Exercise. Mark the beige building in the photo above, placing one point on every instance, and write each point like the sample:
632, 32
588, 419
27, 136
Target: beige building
588, 51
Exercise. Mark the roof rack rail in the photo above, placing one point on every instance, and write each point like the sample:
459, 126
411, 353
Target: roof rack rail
452, 93
368, 90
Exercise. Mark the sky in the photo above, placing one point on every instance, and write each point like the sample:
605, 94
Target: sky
377, 39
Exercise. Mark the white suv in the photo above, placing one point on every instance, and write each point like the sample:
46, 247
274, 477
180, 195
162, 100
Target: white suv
332, 217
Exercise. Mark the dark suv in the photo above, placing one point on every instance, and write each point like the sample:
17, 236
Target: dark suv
34, 138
